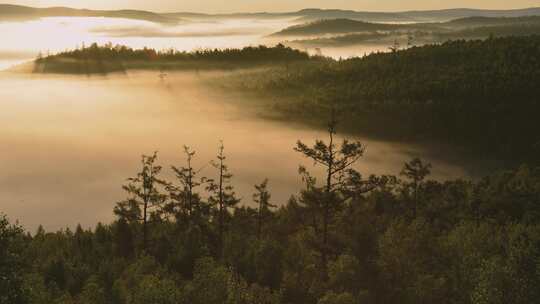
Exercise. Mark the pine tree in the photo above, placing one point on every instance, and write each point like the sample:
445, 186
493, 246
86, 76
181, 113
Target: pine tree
262, 198
144, 190
185, 201
222, 195
341, 182
416, 171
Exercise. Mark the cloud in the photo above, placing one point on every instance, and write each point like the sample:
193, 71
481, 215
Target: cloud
151, 32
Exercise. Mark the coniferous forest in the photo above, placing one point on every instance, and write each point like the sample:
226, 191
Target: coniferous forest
184, 235
476, 94
345, 238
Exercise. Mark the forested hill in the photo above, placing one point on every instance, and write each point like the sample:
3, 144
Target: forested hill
347, 26
334, 26
481, 94
108, 58
493, 21
411, 16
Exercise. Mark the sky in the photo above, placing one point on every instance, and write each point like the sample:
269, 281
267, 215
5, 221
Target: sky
221, 6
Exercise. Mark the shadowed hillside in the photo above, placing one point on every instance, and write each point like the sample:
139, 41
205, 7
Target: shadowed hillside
347, 26
480, 94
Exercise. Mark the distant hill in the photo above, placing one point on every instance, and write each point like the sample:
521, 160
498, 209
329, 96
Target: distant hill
334, 26
449, 14
348, 26
479, 93
318, 14
494, 21
17, 12
412, 16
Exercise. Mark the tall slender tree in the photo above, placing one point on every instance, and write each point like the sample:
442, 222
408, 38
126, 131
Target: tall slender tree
415, 171
12, 263
262, 198
145, 193
185, 201
222, 195
342, 181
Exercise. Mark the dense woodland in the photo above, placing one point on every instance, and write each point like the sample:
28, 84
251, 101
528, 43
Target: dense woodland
480, 94
477, 94
95, 59
344, 239
345, 26
347, 32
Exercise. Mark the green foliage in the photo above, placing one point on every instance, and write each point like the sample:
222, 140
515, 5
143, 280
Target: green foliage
105, 59
152, 289
11, 263
478, 94
145, 196
347, 32
471, 242
338, 298
93, 292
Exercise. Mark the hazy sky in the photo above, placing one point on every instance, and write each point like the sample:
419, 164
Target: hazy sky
278, 5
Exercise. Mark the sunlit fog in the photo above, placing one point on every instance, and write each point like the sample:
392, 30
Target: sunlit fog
269, 152
54, 34
64, 157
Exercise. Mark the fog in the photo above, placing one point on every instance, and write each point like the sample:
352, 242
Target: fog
55, 34
67, 144
24, 40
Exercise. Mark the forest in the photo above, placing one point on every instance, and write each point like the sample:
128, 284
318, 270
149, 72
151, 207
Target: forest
345, 26
108, 58
449, 91
479, 94
345, 238
347, 32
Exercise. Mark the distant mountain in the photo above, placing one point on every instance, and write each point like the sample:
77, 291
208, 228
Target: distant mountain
17, 12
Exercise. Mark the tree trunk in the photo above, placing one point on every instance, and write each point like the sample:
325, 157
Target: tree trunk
327, 206
221, 207
144, 225
259, 222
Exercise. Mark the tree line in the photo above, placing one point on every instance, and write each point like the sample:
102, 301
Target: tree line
95, 59
479, 94
344, 238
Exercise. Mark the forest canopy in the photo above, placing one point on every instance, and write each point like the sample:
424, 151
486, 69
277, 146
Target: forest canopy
344, 239
479, 94
96, 59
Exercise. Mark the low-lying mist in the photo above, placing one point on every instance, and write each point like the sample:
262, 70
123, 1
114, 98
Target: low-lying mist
56, 34
67, 144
